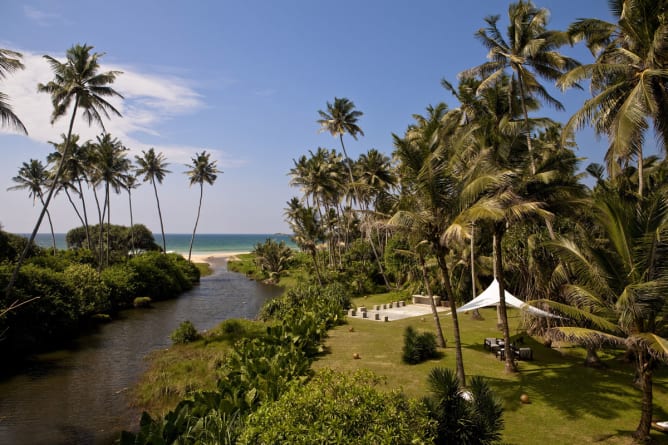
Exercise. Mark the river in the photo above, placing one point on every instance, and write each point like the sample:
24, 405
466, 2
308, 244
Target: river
80, 395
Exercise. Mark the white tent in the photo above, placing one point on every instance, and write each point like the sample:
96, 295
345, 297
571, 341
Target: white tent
490, 297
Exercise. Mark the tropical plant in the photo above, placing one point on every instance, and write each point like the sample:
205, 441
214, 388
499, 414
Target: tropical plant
130, 183
10, 61
307, 231
201, 170
471, 416
185, 333
619, 280
273, 258
154, 168
628, 79
418, 346
77, 82
34, 177
530, 51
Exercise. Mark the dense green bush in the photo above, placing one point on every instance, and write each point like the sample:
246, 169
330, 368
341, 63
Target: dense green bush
418, 347
163, 276
185, 333
468, 417
335, 408
122, 282
87, 287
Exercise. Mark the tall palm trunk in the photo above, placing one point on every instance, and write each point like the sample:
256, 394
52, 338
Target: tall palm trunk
100, 218
503, 313
85, 214
59, 171
162, 228
108, 220
445, 281
314, 255
437, 321
48, 217
475, 315
69, 198
644, 370
527, 127
201, 193
132, 226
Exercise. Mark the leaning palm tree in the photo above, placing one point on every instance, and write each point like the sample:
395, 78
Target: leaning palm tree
629, 79
130, 183
530, 51
77, 82
620, 281
154, 168
201, 170
34, 177
10, 61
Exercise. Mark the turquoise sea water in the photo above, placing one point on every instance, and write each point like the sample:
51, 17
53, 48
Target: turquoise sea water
204, 243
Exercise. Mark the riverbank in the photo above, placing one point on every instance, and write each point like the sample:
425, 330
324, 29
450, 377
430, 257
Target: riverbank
213, 257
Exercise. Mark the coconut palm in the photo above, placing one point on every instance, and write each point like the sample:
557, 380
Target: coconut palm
629, 79
74, 172
77, 82
530, 51
130, 183
10, 61
620, 280
110, 165
201, 170
34, 177
153, 168
307, 230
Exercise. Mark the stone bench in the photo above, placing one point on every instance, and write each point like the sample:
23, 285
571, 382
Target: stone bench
424, 299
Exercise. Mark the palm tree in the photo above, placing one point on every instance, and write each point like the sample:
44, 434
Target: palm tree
79, 83
130, 183
339, 119
530, 51
620, 280
34, 177
154, 168
110, 166
73, 172
629, 80
307, 230
10, 61
201, 170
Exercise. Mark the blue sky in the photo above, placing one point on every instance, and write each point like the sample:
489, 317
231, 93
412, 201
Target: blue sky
244, 81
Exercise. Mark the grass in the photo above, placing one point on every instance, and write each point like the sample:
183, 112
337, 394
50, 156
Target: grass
570, 403
204, 269
175, 373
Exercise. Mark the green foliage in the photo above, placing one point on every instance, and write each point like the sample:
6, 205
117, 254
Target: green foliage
418, 347
120, 239
11, 246
467, 417
185, 333
337, 408
272, 258
163, 276
121, 281
85, 284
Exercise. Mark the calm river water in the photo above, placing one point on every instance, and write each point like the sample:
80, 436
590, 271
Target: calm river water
80, 395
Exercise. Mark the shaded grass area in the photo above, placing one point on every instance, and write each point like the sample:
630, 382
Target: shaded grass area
204, 269
175, 373
570, 403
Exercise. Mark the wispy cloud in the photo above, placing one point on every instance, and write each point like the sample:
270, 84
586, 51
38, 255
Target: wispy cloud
150, 101
41, 17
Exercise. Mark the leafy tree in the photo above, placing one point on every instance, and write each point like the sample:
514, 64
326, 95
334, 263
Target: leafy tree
77, 82
10, 61
530, 51
307, 231
272, 258
629, 81
201, 170
154, 168
34, 177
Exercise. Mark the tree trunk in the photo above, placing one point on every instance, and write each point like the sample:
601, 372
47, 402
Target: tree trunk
510, 360
85, 214
48, 217
445, 280
132, 226
108, 222
69, 198
31, 240
644, 370
434, 311
162, 228
526, 125
314, 255
475, 315
199, 207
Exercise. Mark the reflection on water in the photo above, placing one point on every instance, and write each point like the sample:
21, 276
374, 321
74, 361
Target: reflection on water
80, 395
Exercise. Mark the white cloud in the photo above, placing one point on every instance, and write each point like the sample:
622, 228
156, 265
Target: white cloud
42, 18
149, 101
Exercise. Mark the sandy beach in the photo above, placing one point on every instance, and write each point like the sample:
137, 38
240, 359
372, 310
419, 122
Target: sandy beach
210, 257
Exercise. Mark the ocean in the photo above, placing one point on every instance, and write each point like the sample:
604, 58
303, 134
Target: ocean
180, 242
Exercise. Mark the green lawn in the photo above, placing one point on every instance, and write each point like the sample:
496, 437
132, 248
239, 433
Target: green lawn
570, 404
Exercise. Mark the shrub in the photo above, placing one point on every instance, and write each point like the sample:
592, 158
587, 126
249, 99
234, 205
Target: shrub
335, 408
121, 280
473, 419
418, 347
141, 302
185, 333
85, 284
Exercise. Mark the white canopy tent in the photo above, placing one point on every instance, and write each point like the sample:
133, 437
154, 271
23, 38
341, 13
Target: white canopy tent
490, 297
